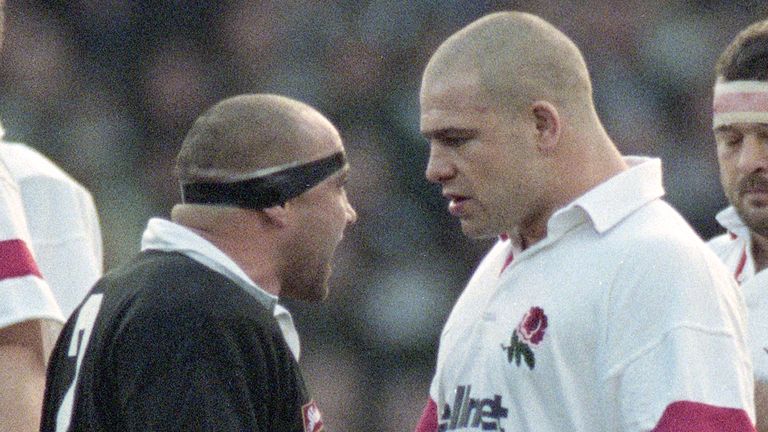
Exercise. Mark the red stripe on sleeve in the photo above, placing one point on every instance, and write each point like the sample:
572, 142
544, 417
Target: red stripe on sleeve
16, 260
428, 421
686, 416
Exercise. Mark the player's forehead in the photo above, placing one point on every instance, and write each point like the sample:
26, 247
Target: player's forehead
448, 103
448, 84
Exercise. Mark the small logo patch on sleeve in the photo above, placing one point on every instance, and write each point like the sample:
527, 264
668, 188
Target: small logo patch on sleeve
313, 419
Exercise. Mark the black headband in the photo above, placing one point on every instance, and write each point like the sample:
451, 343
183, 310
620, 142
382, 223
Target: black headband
264, 191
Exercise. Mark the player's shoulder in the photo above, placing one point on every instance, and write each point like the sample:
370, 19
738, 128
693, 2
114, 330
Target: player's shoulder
157, 282
24, 161
659, 235
658, 220
158, 273
27, 165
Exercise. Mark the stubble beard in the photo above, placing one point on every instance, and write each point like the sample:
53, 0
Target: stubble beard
309, 283
755, 219
754, 214
477, 230
481, 224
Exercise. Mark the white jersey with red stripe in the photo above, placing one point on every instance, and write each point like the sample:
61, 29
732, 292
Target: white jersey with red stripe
24, 295
620, 319
735, 249
63, 224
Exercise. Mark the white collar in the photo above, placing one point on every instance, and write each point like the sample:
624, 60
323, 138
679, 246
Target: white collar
729, 219
610, 202
167, 236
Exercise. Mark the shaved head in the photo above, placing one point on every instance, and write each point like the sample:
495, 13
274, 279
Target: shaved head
506, 106
519, 58
262, 178
251, 132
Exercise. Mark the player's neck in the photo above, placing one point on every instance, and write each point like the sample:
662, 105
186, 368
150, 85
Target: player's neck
243, 248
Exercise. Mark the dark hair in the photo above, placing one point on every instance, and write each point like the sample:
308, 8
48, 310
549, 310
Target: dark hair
746, 57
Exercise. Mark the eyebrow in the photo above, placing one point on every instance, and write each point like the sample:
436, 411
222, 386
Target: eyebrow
452, 132
724, 128
757, 127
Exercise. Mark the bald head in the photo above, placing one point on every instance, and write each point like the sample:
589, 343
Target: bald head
519, 58
242, 134
506, 106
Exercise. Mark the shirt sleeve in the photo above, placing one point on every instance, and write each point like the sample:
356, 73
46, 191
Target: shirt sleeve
428, 420
676, 344
63, 225
685, 416
178, 373
24, 295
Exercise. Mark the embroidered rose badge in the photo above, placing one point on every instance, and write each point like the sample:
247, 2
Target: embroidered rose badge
528, 333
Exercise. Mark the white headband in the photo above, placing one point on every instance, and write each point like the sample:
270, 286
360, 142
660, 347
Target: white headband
739, 102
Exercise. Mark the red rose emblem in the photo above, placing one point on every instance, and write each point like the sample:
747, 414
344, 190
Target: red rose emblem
529, 332
532, 328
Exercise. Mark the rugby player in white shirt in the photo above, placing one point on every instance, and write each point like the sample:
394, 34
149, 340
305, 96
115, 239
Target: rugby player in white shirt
600, 309
740, 123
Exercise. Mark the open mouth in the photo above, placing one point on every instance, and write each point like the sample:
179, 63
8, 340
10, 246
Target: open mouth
456, 204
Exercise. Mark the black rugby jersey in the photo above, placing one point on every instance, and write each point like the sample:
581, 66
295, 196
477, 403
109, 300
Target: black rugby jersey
166, 344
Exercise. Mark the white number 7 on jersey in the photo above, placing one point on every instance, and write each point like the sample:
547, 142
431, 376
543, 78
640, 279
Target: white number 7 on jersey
77, 346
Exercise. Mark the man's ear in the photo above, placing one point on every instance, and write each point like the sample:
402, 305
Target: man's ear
277, 215
548, 126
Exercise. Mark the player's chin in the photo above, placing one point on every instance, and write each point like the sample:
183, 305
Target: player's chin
309, 286
321, 287
320, 294
311, 292
476, 230
753, 210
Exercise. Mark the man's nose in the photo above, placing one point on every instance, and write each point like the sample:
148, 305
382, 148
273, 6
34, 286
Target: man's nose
439, 167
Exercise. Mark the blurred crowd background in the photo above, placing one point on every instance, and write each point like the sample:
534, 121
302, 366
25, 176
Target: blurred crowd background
108, 88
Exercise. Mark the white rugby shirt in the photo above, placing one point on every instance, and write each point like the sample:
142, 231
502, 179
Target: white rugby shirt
63, 224
643, 323
735, 249
24, 295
